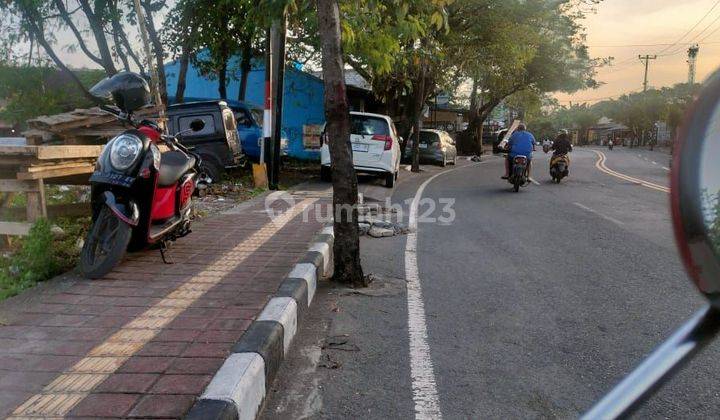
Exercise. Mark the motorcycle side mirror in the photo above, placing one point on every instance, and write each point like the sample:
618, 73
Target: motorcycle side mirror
695, 198
695, 208
197, 125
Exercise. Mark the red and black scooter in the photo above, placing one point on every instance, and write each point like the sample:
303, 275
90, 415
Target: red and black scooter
140, 196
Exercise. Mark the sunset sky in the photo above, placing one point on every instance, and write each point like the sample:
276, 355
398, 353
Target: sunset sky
623, 29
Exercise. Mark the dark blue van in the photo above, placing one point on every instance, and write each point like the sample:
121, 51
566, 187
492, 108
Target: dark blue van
248, 128
248, 123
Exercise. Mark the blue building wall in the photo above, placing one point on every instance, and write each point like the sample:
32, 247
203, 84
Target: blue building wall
302, 99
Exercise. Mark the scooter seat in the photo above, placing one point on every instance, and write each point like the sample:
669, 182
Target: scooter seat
173, 165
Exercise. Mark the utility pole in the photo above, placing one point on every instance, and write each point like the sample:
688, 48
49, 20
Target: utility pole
692, 60
278, 32
647, 59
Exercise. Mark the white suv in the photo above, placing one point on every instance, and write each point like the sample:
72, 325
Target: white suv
375, 147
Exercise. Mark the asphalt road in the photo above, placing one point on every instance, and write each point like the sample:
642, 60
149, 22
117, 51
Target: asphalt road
536, 303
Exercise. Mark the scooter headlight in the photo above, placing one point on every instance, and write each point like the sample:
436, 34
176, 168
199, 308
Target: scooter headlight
124, 151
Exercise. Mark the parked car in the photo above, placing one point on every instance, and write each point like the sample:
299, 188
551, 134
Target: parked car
375, 147
249, 129
249, 124
435, 146
218, 143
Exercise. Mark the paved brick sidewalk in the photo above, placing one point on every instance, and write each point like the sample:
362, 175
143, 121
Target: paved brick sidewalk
147, 339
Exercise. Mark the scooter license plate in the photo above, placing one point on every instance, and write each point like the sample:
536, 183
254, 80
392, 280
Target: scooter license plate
112, 178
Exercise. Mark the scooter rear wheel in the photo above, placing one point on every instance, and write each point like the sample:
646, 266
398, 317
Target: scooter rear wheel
105, 245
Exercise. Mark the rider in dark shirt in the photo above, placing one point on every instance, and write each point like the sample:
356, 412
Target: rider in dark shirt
562, 145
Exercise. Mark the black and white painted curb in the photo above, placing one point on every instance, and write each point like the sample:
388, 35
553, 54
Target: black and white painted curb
238, 388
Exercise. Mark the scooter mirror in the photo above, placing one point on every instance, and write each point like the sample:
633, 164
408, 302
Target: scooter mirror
695, 196
197, 125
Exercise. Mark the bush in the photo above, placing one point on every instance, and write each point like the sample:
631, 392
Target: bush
40, 256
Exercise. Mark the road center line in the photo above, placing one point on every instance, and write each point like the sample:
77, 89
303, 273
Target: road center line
597, 213
425, 395
59, 397
600, 164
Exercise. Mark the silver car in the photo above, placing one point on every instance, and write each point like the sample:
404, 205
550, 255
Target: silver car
435, 146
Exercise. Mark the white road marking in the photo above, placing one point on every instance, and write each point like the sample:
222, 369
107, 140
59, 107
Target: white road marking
533, 181
597, 213
666, 168
654, 163
425, 395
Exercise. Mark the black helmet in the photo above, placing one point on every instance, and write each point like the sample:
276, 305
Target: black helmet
128, 90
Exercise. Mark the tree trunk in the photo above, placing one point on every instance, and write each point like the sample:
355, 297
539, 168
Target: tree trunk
182, 73
222, 71
129, 50
480, 138
345, 191
119, 51
245, 67
474, 98
222, 80
62, 11
419, 102
158, 50
98, 31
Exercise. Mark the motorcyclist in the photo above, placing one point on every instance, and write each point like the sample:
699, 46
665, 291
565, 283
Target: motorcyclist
521, 143
562, 145
547, 144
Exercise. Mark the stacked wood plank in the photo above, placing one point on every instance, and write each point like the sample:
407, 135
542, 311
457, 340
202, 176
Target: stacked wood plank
61, 149
26, 169
81, 126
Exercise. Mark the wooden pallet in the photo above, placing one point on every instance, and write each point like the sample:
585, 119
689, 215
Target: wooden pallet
78, 127
25, 170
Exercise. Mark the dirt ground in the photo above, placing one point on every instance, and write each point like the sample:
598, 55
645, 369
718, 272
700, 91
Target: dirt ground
237, 186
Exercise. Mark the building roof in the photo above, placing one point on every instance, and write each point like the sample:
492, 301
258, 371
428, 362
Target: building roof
352, 78
606, 123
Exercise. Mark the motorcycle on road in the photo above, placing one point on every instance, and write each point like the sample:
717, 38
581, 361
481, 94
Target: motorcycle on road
518, 172
559, 167
140, 196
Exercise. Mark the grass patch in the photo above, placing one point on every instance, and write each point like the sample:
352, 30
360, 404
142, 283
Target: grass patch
41, 255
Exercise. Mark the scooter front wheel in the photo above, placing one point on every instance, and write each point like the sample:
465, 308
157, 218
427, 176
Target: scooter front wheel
105, 245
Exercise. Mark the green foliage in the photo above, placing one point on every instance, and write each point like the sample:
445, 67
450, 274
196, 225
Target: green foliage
225, 29
35, 259
711, 212
41, 90
514, 52
40, 255
32, 263
638, 111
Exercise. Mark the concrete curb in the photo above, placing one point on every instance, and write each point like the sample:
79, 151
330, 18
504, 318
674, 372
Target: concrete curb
238, 389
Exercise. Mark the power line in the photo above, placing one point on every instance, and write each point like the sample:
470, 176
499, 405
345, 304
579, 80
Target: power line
705, 29
708, 36
689, 42
691, 29
648, 45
